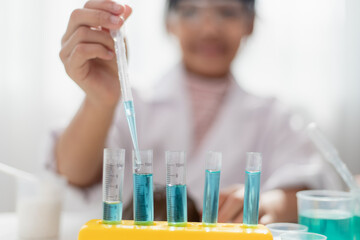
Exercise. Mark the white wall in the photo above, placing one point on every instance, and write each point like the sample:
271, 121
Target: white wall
33, 84
19, 103
306, 52
348, 125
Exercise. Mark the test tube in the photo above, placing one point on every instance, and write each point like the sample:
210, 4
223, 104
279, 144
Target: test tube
113, 178
143, 188
211, 190
176, 198
252, 188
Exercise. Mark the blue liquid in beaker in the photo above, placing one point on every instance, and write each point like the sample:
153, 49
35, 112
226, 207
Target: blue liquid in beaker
334, 224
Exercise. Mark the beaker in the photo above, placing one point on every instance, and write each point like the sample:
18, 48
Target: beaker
327, 212
38, 207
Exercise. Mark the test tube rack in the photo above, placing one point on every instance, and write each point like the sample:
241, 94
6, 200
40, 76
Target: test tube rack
96, 230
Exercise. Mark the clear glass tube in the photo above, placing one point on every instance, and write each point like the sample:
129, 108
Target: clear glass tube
211, 189
143, 188
113, 178
252, 188
176, 198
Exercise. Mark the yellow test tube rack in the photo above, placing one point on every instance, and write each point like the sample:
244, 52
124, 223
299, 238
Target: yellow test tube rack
127, 230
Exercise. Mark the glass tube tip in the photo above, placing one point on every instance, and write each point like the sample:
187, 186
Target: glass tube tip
213, 161
142, 161
253, 162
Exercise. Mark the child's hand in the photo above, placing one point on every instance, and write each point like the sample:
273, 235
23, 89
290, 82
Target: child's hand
275, 205
88, 50
231, 203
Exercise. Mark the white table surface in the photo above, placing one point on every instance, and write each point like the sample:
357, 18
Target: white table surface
69, 228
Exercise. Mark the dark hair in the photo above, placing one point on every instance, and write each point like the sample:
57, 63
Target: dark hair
171, 4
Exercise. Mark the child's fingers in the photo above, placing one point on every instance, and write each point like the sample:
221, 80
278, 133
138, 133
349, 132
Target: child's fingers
266, 219
83, 52
92, 18
86, 35
225, 193
232, 206
127, 11
261, 212
108, 6
239, 218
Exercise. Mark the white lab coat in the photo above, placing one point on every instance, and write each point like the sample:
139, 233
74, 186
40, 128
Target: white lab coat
245, 123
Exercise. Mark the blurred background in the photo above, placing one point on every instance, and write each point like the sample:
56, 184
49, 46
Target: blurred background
305, 52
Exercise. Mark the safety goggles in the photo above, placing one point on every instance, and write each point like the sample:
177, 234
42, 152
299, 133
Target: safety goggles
221, 11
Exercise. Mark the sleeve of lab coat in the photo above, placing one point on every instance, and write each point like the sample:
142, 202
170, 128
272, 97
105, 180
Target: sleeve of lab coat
84, 199
289, 157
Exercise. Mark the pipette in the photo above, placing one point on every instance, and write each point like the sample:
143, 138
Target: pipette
176, 197
120, 49
143, 189
252, 188
211, 189
17, 173
113, 178
331, 155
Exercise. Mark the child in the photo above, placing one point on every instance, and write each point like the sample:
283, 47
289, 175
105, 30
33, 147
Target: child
197, 107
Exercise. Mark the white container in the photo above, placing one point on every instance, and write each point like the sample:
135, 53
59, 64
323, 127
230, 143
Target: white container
39, 208
277, 229
302, 236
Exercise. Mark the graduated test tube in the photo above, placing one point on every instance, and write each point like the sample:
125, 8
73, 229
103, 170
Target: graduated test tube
252, 188
212, 186
143, 188
113, 178
176, 198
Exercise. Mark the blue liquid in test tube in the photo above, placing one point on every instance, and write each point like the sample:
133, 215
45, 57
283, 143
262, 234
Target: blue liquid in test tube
143, 189
252, 188
176, 197
143, 199
212, 187
112, 212
113, 178
176, 205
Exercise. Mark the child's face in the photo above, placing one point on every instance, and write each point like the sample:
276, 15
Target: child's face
209, 32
